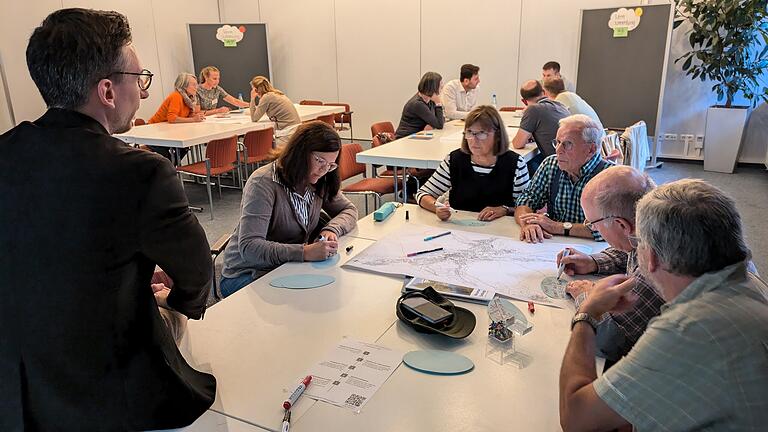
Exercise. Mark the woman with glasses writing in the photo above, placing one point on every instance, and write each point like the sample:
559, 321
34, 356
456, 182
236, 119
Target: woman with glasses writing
280, 212
482, 176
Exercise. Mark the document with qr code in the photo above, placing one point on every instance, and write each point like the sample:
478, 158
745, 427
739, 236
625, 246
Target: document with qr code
351, 373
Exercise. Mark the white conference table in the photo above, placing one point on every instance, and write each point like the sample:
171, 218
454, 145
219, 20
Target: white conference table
259, 341
412, 152
184, 135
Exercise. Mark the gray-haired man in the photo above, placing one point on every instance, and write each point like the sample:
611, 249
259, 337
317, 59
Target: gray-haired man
703, 363
609, 202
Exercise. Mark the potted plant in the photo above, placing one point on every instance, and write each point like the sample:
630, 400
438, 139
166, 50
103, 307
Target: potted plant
729, 47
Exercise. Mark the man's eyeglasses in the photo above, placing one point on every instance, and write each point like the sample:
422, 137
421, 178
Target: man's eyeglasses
567, 145
144, 77
634, 241
324, 164
479, 135
591, 225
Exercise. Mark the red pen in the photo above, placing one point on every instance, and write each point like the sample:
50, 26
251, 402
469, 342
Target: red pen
288, 403
531, 309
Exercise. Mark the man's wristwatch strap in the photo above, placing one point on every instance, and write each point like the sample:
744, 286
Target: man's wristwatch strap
582, 316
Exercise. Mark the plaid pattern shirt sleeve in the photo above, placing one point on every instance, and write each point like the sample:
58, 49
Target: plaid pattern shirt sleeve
536, 194
648, 305
610, 261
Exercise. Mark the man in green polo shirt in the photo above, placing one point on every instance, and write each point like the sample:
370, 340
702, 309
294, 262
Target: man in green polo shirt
703, 363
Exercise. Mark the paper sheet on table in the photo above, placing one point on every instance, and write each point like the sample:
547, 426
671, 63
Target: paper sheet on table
351, 373
506, 265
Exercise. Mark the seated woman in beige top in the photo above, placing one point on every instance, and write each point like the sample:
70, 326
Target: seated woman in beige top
268, 100
280, 212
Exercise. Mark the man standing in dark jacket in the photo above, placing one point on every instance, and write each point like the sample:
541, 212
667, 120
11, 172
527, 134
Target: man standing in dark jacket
85, 218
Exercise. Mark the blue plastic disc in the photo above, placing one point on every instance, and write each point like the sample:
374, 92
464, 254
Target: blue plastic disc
302, 281
330, 262
438, 362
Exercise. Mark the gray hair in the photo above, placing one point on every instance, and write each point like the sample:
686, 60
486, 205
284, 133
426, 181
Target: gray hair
591, 131
181, 83
692, 226
620, 197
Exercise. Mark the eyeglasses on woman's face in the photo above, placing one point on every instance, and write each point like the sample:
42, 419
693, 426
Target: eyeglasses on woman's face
324, 164
478, 135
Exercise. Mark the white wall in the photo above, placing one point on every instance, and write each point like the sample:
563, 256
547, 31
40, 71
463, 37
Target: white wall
371, 54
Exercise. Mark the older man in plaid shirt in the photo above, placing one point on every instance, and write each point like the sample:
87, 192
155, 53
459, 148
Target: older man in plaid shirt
609, 202
559, 181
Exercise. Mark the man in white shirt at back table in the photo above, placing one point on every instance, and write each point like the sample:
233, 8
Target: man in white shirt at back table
460, 95
551, 69
554, 88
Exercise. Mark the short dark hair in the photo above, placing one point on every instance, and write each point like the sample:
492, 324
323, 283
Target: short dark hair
468, 71
295, 160
554, 85
551, 65
489, 118
430, 83
72, 50
532, 93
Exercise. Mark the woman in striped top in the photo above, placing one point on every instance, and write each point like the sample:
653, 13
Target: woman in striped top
482, 176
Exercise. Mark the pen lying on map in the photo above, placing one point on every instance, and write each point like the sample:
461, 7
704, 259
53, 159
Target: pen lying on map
412, 254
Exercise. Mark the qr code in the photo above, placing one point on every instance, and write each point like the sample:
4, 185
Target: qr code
355, 400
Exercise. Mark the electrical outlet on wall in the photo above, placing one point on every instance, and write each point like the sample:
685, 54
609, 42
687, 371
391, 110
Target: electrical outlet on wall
670, 137
699, 144
686, 137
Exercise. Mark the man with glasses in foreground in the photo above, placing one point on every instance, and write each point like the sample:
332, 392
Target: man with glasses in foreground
559, 182
609, 202
86, 218
703, 363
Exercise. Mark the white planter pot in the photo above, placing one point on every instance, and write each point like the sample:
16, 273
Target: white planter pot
722, 139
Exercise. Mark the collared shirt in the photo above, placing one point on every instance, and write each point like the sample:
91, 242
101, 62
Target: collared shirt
457, 101
633, 322
702, 364
301, 203
567, 205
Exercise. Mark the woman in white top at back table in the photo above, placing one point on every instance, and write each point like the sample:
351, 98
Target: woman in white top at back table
209, 92
268, 100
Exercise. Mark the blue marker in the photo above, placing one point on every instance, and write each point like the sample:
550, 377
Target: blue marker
432, 237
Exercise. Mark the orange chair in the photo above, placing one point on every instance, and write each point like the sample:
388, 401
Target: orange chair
310, 102
328, 119
257, 146
221, 157
343, 118
511, 109
388, 127
349, 167
139, 122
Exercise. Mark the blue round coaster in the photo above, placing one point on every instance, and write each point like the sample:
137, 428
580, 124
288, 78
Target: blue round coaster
438, 362
330, 262
468, 222
302, 281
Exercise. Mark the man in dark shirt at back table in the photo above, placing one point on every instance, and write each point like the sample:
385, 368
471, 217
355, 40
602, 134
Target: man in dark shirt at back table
86, 218
540, 120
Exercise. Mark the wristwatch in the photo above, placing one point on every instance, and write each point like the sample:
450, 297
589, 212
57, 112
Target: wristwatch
583, 316
567, 228
508, 209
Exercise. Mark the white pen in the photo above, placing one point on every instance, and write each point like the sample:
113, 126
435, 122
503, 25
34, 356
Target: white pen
560, 270
438, 204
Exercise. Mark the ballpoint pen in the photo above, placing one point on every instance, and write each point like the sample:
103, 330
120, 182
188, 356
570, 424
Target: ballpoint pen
560, 270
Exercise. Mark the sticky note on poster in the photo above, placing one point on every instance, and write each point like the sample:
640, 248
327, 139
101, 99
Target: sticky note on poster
229, 35
624, 21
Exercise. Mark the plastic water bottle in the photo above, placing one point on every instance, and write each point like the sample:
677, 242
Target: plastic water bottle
493, 100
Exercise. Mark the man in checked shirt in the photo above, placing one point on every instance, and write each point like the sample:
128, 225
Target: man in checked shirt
609, 201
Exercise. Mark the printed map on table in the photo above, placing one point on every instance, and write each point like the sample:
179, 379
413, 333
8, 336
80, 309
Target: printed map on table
505, 265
